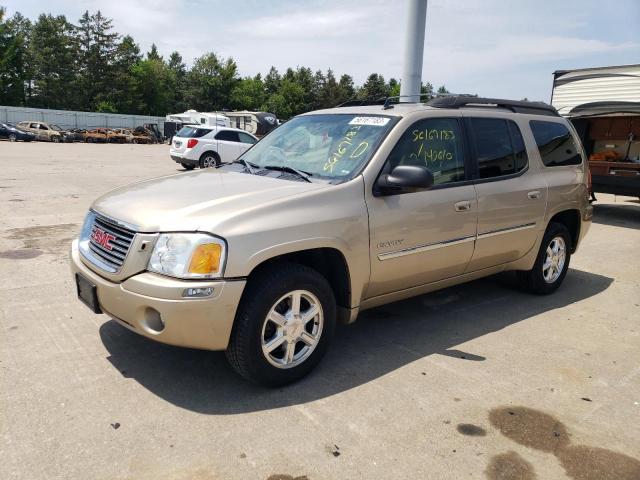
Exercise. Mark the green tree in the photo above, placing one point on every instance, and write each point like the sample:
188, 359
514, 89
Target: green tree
442, 90
272, 81
152, 82
153, 54
11, 64
374, 88
346, 88
178, 83
126, 97
394, 87
249, 94
98, 45
426, 89
210, 82
289, 100
52, 51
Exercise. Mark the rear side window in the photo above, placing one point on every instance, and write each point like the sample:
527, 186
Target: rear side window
192, 132
245, 138
228, 135
499, 147
556, 144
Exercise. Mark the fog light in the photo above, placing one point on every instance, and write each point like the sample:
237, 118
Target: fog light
197, 292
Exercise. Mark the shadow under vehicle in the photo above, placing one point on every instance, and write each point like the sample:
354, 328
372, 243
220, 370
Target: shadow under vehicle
386, 339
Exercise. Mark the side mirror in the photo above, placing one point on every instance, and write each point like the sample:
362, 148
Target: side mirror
404, 179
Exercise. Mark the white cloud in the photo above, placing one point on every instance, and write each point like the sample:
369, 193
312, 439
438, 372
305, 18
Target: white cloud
479, 46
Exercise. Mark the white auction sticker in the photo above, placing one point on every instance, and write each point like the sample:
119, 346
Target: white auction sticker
374, 121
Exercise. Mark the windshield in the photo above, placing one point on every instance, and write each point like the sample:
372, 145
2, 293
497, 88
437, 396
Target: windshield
333, 146
55, 127
192, 132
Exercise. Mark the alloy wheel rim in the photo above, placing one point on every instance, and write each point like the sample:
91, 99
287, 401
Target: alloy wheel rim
292, 329
555, 258
209, 161
12, 137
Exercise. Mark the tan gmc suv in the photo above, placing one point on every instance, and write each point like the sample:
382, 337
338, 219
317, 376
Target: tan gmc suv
334, 212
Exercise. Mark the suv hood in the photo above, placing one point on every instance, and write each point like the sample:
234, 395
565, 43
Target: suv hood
196, 200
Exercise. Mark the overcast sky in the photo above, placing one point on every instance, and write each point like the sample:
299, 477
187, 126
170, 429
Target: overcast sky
497, 48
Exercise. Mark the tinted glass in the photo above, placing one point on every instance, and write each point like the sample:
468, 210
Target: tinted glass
495, 153
518, 146
244, 138
555, 143
228, 135
192, 132
330, 146
434, 143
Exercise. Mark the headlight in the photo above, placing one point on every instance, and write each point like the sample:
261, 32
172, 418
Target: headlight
188, 255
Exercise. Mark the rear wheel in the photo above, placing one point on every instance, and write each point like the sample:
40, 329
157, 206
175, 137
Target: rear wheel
209, 159
552, 261
283, 326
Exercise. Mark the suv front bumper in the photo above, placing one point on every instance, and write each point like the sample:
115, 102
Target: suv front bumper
152, 305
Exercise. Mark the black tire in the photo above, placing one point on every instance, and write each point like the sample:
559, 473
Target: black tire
534, 280
187, 166
245, 353
55, 139
12, 137
209, 159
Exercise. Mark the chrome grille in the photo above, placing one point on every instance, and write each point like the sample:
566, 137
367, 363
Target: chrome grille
119, 244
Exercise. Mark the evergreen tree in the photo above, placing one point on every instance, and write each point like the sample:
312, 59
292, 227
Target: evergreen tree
346, 88
178, 83
126, 98
374, 88
153, 54
272, 81
98, 45
54, 67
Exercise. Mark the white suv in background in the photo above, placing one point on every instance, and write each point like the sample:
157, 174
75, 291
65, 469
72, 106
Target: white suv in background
203, 146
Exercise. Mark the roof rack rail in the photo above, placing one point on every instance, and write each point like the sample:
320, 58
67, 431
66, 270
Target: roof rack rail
355, 102
387, 100
516, 106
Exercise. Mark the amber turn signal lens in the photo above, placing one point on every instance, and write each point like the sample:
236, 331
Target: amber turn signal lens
206, 259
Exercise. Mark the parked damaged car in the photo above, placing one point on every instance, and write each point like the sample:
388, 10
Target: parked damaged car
13, 134
45, 132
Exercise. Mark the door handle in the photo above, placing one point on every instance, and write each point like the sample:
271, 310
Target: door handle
462, 206
534, 195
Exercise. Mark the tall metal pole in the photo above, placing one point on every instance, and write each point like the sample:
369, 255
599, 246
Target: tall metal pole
414, 51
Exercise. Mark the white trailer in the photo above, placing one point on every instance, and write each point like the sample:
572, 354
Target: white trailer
193, 117
604, 106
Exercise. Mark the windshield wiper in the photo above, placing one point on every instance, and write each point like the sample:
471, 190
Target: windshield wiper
286, 168
248, 165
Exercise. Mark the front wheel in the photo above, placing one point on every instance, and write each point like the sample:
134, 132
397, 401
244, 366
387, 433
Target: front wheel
55, 139
12, 137
552, 261
283, 326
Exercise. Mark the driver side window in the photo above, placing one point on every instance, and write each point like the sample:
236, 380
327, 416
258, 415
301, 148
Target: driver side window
434, 143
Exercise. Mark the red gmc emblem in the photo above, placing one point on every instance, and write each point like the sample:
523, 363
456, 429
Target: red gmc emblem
102, 238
